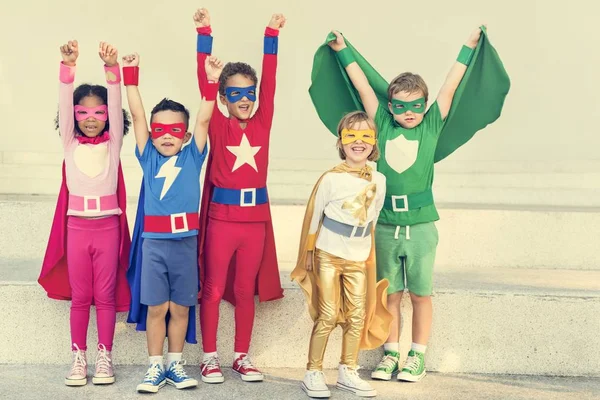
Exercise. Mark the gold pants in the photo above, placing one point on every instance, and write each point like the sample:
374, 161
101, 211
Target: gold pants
342, 285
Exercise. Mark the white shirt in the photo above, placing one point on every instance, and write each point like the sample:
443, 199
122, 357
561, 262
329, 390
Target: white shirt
351, 200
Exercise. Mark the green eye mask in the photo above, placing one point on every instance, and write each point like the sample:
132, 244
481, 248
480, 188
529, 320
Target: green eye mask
400, 107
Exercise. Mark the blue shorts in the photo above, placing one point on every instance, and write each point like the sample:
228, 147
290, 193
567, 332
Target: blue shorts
170, 271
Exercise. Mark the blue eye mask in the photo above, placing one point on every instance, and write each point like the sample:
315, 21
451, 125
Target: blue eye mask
235, 94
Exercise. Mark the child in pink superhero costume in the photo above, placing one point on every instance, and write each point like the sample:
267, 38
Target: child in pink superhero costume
87, 252
237, 249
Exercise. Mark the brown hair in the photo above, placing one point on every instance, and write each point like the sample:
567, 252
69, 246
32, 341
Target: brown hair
408, 82
347, 122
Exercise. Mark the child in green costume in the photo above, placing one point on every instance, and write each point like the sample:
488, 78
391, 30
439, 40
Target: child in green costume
406, 234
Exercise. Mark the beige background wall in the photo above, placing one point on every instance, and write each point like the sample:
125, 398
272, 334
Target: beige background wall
542, 151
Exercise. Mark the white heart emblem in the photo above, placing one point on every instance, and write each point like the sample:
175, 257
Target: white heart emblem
401, 153
91, 159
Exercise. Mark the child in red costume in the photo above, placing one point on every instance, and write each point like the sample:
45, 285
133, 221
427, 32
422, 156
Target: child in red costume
237, 248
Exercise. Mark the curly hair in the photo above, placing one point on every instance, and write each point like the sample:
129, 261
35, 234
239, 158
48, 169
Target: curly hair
99, 91
235, 68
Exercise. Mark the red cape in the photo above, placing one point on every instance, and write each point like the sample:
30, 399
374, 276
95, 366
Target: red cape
268, 283
54, 277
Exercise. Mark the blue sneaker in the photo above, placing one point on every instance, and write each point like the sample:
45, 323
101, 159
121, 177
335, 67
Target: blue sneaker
177, 377
153, 380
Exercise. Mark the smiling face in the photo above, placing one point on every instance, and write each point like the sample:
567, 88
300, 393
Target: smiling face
173, 123
239, 108
357, 152
95, 122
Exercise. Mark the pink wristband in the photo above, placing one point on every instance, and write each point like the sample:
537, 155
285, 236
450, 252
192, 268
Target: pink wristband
270, 32
66, 73
204, 30
113, 74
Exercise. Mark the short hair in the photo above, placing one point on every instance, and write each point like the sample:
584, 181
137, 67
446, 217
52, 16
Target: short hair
235, 68
170, 105
347, 122
407, 82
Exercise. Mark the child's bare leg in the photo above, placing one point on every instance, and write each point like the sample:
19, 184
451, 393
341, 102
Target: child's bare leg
178, 323
394, 302
156, 328
422, 317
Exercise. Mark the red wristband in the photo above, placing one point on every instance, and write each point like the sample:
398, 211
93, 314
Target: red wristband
204, 30
131, 76
211, 90
270, 32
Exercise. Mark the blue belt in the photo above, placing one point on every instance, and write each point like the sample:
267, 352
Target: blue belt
347, 230
240, 197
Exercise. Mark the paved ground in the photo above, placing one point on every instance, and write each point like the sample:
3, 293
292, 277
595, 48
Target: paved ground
24, 382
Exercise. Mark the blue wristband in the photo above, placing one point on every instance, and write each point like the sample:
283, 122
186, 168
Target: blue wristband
271, 44
204, 44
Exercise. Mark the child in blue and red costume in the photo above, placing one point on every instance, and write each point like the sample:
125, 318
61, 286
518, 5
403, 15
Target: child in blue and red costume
164, 258
237, 246
87, 251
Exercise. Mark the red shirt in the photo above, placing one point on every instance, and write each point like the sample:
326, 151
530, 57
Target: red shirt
240, 156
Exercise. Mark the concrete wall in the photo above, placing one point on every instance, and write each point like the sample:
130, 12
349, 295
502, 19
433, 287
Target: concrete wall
543, 150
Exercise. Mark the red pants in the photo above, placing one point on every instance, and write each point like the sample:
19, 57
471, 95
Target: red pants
93, 260
223, 240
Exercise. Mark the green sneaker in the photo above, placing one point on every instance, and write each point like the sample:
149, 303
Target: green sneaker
387, 367
414, 367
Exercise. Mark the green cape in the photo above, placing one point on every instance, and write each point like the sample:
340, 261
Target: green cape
477, 102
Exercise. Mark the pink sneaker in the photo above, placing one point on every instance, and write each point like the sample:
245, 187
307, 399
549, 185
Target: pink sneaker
105, 374
78, 374
248, 372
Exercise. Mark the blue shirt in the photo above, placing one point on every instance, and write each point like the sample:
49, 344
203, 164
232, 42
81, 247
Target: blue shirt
171, 184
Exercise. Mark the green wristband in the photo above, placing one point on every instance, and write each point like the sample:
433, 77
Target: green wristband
345, 56
465, 55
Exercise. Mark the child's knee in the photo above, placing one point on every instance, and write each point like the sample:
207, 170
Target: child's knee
159, 311
394, 299
178, 311
416, 299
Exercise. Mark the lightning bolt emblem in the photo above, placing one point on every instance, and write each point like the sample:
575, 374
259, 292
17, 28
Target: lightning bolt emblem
168, 171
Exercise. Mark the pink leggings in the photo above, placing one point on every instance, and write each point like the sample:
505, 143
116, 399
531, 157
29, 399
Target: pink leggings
92, 259
223, 240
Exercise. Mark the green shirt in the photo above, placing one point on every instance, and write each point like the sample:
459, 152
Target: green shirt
407, 158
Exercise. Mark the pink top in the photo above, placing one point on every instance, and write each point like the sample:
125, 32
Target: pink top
91, 169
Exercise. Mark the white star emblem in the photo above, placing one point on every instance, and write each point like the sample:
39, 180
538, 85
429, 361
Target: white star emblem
244, 154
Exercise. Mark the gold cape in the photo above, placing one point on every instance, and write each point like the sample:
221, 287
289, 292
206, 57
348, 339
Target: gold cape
377, 317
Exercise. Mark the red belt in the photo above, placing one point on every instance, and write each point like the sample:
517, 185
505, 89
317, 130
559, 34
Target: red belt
174, 223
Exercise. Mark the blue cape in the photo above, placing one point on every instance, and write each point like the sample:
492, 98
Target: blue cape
138, 312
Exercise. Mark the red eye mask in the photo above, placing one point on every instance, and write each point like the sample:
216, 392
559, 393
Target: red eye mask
175, 130
100, 113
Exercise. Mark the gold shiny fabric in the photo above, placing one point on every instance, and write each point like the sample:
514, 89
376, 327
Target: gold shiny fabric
377, 318
341, 285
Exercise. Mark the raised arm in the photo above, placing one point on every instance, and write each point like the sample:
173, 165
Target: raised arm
213, 67
456, 74
66, 117
136, 107
356, 74
109, 55
266, 93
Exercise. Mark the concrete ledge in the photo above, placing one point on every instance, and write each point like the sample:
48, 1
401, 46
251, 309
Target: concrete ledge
474, 332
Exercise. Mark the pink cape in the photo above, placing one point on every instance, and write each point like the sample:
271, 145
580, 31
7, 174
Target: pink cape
54, 277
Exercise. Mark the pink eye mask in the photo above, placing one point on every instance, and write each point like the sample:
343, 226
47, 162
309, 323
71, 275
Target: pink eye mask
100, 113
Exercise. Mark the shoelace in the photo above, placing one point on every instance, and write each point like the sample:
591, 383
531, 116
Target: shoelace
353, 375
388, 362
212, 363
178, 369
153, 373
103, 362
412, 363
316, 377
245, 362
79, 363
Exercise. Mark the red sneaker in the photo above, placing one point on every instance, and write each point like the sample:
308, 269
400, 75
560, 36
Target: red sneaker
211, 371
247, 371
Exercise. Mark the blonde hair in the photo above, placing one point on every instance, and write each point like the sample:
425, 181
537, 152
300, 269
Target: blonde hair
408, 82
347, 122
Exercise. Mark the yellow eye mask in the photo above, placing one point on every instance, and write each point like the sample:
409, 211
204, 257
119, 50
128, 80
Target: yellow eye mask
351, 135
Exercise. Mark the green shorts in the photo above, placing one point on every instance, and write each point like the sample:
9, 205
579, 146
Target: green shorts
406, 262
